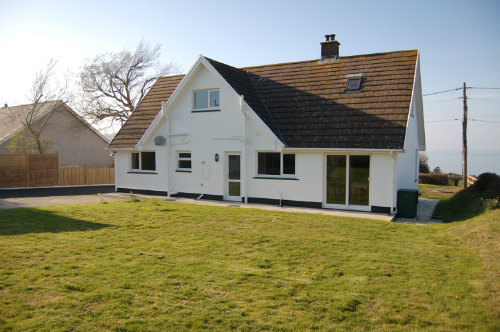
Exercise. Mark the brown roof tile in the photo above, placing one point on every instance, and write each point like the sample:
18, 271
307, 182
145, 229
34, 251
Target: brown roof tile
145, 113
305, 103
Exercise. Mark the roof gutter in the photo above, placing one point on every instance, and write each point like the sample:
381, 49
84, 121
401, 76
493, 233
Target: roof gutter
121, 149
391, 151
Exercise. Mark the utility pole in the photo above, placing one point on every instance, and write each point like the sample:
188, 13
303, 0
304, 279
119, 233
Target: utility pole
464, 140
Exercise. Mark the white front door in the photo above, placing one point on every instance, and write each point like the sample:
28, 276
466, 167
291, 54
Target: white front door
233, 177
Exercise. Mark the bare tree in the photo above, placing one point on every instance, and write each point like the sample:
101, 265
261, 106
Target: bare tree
424, 163
114, 83
45, 97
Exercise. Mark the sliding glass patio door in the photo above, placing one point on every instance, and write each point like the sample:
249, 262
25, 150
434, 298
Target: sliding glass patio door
347, 181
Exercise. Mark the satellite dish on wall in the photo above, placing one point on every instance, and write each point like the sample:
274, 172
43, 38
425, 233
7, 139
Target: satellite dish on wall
159, 140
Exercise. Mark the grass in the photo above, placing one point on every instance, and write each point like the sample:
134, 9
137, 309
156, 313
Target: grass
437, 191
157, 265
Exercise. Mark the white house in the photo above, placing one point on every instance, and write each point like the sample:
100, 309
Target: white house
335, 132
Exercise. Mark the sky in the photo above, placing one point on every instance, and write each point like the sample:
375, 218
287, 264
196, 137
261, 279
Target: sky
459, 41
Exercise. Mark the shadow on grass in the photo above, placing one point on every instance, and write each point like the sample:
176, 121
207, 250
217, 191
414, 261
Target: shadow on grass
468, 203
33, 220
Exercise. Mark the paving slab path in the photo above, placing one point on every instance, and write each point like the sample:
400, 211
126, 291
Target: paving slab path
425, 210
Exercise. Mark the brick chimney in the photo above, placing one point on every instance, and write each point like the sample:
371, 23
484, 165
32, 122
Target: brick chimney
329, 48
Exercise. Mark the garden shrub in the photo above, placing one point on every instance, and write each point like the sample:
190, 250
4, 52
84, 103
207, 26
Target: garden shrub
434, 178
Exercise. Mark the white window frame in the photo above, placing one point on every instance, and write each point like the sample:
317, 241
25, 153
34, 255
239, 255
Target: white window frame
179, 158
140, 162
281, 175
209, 108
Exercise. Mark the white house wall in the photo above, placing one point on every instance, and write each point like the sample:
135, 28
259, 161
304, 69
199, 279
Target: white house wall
125, 178
407, 161
382, 180
309, 169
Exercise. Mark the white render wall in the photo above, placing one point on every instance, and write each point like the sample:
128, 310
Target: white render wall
310, 172
407, 161
124, 178
382, 180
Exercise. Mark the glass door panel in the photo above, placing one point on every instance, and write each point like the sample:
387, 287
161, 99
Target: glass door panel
336, 180
359, 173
234, 174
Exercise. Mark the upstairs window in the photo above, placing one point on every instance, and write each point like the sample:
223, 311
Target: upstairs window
143, 161
275, 163
206, 100
354, 83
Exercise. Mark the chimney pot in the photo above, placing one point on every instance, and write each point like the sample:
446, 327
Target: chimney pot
329, 48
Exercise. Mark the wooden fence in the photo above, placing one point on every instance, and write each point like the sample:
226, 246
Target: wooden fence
80, 176
42, 170
471, 180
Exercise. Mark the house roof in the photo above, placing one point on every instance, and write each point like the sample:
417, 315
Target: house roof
137, 124
10, 117
305, 103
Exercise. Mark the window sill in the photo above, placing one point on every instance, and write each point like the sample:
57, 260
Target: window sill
138, 171
276, 177
206, 110
183, 170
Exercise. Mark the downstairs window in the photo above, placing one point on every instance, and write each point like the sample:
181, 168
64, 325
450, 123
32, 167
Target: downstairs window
275, 163
143, 161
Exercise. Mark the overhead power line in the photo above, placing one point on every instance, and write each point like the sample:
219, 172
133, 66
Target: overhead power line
478, 120
447, 120
461, 88
436, 93
473, 87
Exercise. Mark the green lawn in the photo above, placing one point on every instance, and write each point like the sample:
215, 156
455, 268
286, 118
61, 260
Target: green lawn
157, 266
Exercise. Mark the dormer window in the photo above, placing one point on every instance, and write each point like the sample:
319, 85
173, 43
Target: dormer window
206, 100
354, 83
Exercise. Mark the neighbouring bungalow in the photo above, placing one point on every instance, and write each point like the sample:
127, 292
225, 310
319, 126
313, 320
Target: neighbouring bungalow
340, 132
68, 134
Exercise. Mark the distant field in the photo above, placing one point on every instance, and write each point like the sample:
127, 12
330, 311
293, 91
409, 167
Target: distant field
437, 192
165, 266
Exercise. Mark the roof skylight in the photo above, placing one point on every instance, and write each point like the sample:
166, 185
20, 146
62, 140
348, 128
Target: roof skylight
354, 83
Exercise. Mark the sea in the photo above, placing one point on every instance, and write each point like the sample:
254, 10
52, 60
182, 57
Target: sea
478, 162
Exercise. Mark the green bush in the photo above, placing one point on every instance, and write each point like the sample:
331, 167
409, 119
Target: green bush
488, 184
434, 178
